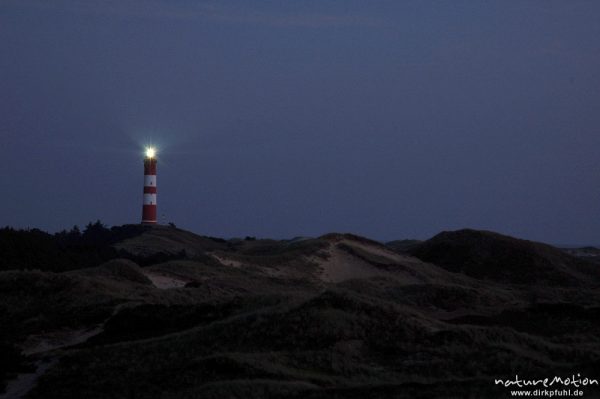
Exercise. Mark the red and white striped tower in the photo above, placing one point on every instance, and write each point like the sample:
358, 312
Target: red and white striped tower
149, 207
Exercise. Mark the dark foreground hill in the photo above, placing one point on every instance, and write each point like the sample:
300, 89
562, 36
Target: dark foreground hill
170, 314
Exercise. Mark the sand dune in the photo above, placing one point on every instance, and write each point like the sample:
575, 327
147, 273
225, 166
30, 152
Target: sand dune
334, 316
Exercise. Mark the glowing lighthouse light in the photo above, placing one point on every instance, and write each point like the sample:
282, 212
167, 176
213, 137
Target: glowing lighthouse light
149, 205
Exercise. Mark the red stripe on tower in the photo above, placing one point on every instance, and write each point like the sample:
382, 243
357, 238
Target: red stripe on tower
149, 206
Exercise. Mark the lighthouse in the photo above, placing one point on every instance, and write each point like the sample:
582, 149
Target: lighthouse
149, 206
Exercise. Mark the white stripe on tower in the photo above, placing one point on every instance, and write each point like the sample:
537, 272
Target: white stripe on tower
149, 199
149, 180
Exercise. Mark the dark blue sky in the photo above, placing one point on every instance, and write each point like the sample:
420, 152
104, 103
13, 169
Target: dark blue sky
390, 119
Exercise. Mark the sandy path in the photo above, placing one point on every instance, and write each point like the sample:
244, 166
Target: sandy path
163, 281
40, 344
58, 339
36, 345
20, 386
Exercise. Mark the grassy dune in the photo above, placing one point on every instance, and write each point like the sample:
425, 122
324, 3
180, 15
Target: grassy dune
264, 318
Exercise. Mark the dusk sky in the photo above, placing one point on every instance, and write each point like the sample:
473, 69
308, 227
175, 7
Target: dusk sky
389, 119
